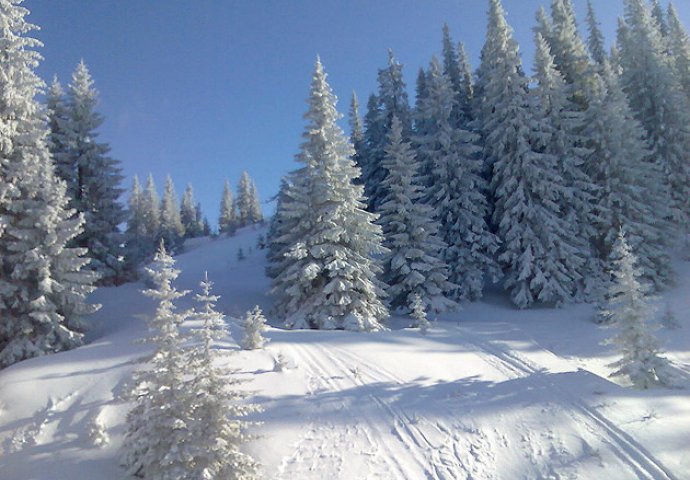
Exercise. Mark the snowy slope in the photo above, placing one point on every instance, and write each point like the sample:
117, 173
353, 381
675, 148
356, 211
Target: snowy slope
489, 393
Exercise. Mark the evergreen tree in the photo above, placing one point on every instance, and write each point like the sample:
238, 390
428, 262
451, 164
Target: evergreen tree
43, 282
218, 430
628, 193
58, 141
329, 278
560, 123
138, 242
630, 310
159, 426
93, 178
419, 314
150, 210
413, 266
279, 227
660, 18
254, 325
244, 200
526, 184
457, 70
595, 41
227, 220
655, 97
255, 214
171, 228
455, 189
680, 49
391, 101
189, 215
356, 131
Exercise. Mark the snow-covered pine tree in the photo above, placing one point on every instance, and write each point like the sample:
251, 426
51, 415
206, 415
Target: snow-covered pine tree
244, 200
455, 189
255, 213
227, 220
151, 211
279, 226
630, 310
188, 214
159, 425
391, 101
93, 178
218, 430
628, 193
171, 228
356, 131
569, 51
457, 70
414, 265
526, 184
660, 18
43, 283
419, 314
254, 325
58, 143
650, 83
560, 124
329, 278
595, 40
679, 42
138, 243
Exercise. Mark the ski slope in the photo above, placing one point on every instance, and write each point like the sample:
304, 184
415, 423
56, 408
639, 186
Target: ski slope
488, 393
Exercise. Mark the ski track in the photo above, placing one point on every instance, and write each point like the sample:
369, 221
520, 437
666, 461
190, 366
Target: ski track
624, 446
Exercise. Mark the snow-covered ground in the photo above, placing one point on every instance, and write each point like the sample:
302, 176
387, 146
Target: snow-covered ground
488, 393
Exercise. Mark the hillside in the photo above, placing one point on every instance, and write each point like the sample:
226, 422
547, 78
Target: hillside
489, 393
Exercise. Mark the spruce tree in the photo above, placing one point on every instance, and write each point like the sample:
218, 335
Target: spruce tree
139, 245
150, 211
254, 325
356, 131
413, 266
628, 194
171, 228
255, 213
660, 18
680, 49
455, 189
160, 424
43, 282
189, 215
329, 278
58, 141
227, 220
244, 200
655, 97
391, 101
629, 308
93, 178
218, 429
526, 183
595, 41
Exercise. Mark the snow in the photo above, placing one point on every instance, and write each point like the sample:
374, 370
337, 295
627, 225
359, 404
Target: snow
489, 392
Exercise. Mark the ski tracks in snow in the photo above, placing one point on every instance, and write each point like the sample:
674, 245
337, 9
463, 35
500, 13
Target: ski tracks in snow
366, 426
624, 446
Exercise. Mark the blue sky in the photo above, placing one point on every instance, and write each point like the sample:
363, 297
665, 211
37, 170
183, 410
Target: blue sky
207, 88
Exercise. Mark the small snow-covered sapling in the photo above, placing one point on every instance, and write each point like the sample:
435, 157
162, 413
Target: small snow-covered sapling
419, 314
254, 326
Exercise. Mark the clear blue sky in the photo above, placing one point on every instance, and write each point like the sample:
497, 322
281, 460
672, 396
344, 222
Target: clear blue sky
204, 89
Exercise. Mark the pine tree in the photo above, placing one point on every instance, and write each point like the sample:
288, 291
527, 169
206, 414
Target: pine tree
43, 282
150, 211
356, 131
526, 184
419, 314
227, 220
413, 265
255, 214
218, 430
595, 41
655, 97
254, 325
680, 49
171, 228
457, 70
189, 215
560, 124
391, 101
660, 18
628, 193
139, 245
630, 311
159, 426
92, 177
329, 278
244, 200
455, 189
278, 230
58, 141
